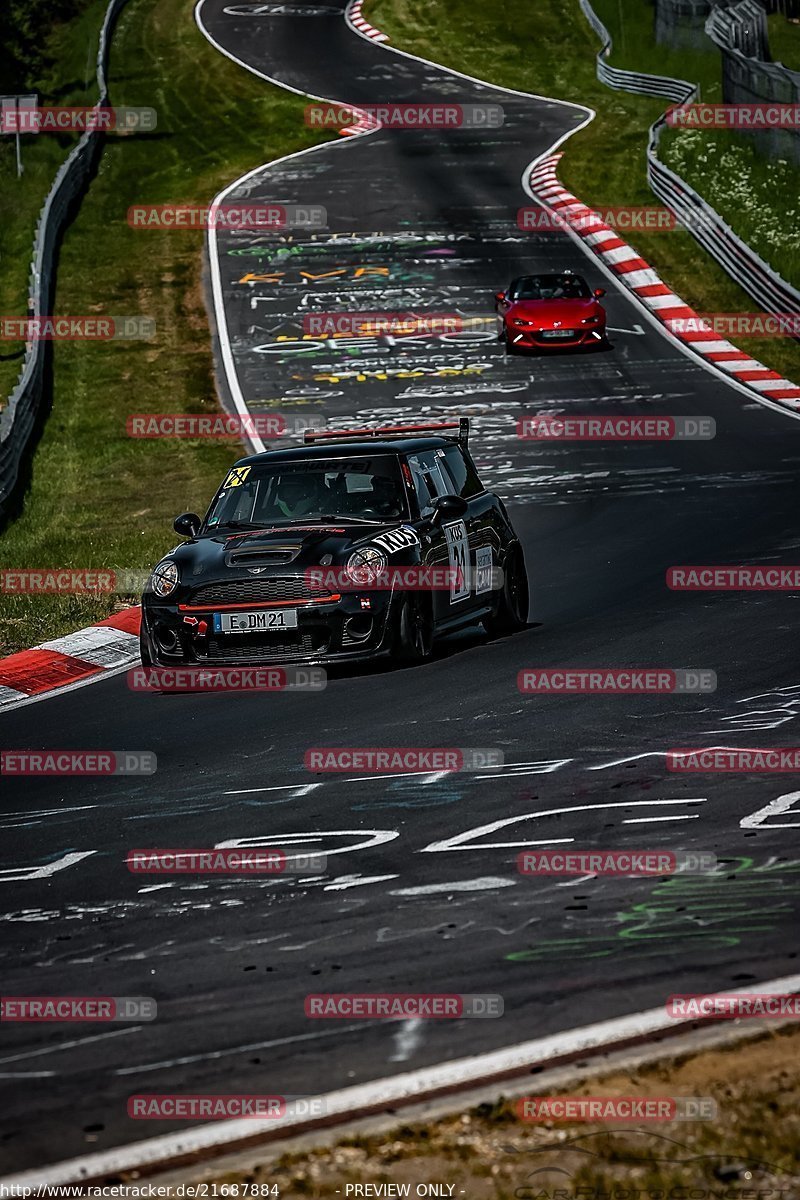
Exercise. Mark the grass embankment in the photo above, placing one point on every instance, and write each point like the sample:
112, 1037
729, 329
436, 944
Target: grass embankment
549, 48
751, 1151
784, 40
73, 46
98, 498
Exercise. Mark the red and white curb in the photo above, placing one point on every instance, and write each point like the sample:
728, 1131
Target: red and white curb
354, 17
366, 122
68, 662
662, 303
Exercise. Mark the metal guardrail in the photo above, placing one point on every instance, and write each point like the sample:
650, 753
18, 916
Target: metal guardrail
26, 407
741, 262
679, 90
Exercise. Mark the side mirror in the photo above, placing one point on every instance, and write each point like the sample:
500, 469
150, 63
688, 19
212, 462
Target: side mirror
599, 292
500, 296
187, 525
448, 508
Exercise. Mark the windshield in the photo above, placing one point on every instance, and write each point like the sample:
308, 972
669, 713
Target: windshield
315, 489
549, 287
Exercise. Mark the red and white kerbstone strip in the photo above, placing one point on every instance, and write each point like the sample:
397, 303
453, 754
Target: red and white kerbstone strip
642, 280
365, 123
364, 27
109, 644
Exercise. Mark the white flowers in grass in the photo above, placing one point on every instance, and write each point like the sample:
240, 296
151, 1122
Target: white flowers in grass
759, 198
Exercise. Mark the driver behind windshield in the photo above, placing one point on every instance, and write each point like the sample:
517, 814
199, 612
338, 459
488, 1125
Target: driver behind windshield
298, 496
385, 500
549, 287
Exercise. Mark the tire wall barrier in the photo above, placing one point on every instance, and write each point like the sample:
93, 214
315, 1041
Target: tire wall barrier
748, 269
23, 414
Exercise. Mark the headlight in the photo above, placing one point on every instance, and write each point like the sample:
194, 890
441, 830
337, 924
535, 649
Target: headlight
590, 320
364, 566
165, 578
519, 322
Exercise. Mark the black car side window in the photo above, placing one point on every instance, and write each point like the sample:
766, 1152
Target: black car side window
425, 491
461, 470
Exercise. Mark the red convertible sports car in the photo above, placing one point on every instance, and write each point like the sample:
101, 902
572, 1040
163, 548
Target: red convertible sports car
540, 312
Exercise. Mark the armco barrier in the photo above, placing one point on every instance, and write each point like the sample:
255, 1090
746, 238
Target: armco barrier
26, 407
742, 263
679, 90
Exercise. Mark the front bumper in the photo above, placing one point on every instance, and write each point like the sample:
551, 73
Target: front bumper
347, 628
536, 339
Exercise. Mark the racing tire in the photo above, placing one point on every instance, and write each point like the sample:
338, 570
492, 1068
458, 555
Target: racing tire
413, 641
511, 613
509, 345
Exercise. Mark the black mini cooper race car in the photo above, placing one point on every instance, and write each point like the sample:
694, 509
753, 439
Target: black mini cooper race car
357, 544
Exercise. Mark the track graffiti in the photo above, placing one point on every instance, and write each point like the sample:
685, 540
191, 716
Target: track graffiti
367, 345
303, 278
718, 910
388, 374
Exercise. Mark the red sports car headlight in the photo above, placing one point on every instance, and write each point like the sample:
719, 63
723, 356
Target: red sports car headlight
595, 320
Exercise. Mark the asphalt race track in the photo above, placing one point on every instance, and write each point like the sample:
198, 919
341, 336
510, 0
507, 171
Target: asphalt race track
418, 895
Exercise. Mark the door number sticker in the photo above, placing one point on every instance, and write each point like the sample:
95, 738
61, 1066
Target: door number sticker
458, 555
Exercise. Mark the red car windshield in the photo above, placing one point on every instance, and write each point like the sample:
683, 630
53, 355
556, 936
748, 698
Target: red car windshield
549, 287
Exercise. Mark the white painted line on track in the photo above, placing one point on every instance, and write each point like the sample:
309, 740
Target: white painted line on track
651, 820
215, 1055
408, 1039
485, 884
457, 842
343, 882
70, 1045
346, 1104
302, 789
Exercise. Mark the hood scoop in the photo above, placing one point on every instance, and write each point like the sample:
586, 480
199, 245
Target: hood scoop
262, 556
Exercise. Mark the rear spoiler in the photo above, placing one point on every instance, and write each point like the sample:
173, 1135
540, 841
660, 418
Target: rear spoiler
390, 431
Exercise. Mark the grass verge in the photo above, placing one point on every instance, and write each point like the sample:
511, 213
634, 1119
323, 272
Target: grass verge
784, 40
99, 498
750, 1151
74, 46
549, 48
759, 198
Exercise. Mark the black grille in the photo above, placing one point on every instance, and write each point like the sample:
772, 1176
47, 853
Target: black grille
266, 647
257, 590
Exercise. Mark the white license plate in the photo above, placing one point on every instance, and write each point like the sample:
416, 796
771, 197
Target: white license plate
557, 333
255, 622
